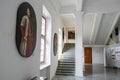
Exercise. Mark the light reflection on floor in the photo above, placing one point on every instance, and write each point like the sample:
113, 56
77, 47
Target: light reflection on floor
94, 72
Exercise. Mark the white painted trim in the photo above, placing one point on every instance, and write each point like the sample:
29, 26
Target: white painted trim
112, 27
94, 45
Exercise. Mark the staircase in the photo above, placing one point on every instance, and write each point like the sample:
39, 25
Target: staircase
66, 65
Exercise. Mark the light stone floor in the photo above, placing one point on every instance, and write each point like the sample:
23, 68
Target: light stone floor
94, 72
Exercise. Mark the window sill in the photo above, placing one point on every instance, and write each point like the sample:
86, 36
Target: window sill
44, 65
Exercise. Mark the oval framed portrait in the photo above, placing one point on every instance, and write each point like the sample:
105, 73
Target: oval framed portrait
55, 44
25, 29
63, 34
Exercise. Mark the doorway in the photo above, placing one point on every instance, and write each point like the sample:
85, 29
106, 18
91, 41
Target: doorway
88, 55
88, 61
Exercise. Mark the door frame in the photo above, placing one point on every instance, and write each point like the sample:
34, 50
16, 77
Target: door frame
90, 56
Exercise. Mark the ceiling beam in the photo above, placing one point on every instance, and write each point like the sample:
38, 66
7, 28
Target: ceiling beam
96, 25
94, 45
104, 6
79, 4
112, 27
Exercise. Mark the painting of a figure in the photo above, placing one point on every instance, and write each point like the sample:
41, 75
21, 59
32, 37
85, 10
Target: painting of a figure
26, 30
55, 44
71, 34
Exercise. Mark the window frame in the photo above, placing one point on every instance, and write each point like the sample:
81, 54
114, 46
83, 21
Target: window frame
44, 38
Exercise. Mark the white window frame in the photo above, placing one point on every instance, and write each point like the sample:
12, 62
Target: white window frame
43, 37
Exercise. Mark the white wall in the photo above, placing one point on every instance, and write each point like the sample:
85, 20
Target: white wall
97, 55
56, 24
12, 65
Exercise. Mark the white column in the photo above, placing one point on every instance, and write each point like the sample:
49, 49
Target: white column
104, 56
79, 56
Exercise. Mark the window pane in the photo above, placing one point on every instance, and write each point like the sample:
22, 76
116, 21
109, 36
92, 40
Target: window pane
42, 50
42, 55
42, 59
42, 41
43, 27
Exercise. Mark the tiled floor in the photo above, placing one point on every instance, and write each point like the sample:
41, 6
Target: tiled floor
94, 72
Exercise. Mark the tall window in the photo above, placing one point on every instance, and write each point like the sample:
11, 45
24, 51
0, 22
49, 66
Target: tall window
43, 40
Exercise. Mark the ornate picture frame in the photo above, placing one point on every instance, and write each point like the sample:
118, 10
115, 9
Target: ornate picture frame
55, 44
26, 29
71, 34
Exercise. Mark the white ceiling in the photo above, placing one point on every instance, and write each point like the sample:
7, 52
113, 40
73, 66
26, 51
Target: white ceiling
100, 18
64, 3
68, 20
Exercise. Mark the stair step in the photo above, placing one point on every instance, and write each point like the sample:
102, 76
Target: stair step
66, 60
66, 66
63, 63
67, 71
72, 69
65, 74
68, 57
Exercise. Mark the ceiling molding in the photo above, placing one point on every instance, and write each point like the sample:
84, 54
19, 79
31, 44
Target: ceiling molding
88, 27
93, 28
94, 45
112, 27
97, 21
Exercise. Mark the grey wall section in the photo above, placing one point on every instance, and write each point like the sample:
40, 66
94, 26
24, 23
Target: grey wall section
12, 65
98, 55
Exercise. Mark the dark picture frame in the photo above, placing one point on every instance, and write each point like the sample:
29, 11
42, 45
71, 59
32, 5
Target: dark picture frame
63, 34
55, 44
116, 31
71, 34
26, 29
